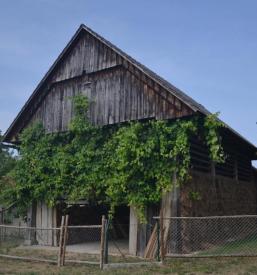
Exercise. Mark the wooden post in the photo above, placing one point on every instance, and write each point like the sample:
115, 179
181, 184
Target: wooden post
65, 239
1, 222
133, 231
61, 242
102, 243
162, 237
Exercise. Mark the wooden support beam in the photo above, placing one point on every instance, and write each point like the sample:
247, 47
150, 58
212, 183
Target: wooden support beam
133, 230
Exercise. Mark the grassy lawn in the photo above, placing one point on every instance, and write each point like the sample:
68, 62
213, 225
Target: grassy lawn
234, 265
247, 246
52, 254
14, 248
185, 266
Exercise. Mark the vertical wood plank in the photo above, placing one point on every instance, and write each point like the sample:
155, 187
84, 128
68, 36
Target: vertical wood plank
146, 102
122, 97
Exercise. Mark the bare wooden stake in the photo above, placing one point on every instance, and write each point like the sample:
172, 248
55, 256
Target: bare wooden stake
61, 242
102, 243
151, 247
65, 239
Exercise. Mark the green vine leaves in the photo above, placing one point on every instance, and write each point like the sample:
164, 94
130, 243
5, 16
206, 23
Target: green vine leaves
128, 164
213, 139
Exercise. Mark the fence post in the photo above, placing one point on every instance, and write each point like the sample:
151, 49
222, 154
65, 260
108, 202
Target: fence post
1, 215
1, 222
102, 242
158, 239
61, 242
162, 237
65, 238
106, 238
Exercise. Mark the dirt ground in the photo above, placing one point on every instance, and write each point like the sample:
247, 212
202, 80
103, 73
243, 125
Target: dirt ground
190, 266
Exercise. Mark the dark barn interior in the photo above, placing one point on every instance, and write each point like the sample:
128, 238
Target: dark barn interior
84, 214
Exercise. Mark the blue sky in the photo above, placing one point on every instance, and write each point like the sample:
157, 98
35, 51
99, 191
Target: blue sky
206, 48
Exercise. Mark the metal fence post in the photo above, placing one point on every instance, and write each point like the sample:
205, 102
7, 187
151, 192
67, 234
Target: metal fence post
162, 237
1, 222
102, 242
106, 242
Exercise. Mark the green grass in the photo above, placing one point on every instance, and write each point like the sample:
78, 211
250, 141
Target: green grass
235, 266
14, 249
8, 245
247, 246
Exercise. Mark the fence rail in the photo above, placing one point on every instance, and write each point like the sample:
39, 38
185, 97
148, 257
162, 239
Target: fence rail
59, 245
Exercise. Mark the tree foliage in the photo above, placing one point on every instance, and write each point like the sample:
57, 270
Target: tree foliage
7, 163
130, 164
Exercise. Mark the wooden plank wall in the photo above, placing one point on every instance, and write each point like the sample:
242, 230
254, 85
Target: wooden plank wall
88, 55
237, 164
45, 218
118, 91
116, 95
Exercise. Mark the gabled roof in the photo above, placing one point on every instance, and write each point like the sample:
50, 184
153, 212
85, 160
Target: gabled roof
195, 106
165, 84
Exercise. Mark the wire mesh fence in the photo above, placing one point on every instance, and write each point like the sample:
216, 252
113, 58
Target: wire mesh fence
65, 244
83, 244
220, 236
117, 243
125, 245
29, 243
113, 243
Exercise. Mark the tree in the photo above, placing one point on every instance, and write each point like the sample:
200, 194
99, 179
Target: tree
7, 164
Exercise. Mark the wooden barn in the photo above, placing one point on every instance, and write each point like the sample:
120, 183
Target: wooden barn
121, 89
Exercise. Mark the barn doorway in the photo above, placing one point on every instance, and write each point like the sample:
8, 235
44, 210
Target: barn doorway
88, 240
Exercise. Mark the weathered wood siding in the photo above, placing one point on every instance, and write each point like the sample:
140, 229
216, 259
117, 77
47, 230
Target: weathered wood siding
88, 55
116, 95
237, 163
45, 218
117, 90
